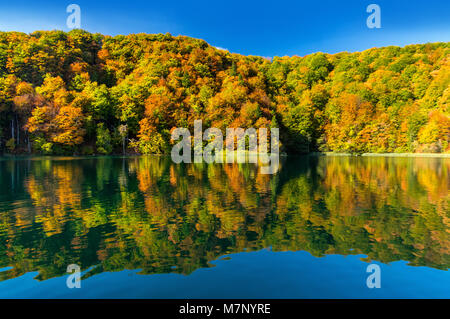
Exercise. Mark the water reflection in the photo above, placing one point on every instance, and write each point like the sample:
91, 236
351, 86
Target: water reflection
110, 214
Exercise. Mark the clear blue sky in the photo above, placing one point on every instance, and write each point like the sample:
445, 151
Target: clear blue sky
265, 28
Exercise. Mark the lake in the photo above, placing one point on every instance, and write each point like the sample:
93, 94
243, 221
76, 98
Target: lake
144, 227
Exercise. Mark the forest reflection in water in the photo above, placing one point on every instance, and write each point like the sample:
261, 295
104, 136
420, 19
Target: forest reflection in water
147, 213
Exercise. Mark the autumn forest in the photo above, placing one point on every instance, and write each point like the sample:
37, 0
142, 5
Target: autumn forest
79, 93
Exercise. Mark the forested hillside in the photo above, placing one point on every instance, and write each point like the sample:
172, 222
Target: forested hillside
82, 93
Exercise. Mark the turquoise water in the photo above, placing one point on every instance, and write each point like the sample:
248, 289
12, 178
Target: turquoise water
143, 227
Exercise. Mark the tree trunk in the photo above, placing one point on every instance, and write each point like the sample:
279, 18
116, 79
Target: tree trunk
12, 128
18, 130
28, 143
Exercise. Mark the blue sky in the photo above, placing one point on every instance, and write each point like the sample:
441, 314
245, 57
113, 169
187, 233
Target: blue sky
265, 28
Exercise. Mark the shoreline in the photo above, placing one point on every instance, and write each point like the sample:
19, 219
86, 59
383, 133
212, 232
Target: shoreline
413, 155
422, 155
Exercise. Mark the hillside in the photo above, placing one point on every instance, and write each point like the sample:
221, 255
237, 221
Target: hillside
82, 93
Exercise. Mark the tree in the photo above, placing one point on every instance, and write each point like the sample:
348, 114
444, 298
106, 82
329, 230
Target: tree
103, 141
123, 130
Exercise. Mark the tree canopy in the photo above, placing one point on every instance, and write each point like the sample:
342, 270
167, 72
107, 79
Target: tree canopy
69, 93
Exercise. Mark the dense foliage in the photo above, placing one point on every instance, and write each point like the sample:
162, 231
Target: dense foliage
69, 93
